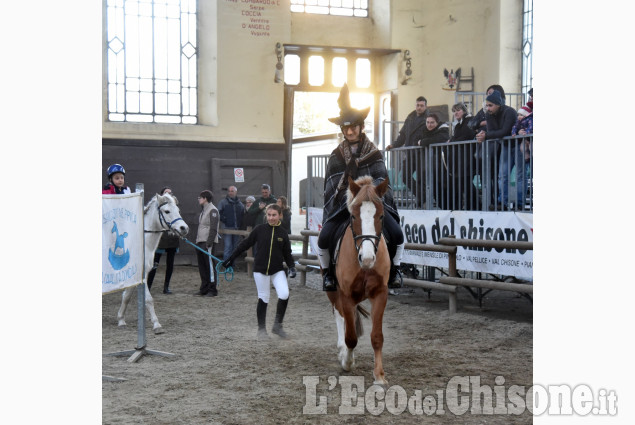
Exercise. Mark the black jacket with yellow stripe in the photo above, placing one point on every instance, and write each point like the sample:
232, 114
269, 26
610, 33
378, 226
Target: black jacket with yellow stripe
272, 248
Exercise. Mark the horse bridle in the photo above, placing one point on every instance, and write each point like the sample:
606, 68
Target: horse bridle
374, 239
163, 221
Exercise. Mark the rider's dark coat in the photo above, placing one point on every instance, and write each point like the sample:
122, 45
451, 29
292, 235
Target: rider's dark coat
372, 164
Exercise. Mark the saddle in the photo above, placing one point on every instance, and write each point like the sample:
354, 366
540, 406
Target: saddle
335, 249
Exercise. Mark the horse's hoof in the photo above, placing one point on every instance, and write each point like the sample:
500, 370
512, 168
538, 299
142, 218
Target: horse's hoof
158, 330
381, 382
122, 326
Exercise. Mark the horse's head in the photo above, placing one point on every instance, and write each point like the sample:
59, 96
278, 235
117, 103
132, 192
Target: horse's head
365, 204
169, 215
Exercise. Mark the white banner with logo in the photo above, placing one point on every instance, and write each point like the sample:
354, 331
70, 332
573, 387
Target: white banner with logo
121, 241
428, 226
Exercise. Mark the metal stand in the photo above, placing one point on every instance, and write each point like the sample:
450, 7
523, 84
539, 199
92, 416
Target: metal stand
140, 349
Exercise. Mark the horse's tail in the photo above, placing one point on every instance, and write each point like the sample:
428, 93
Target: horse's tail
359, 327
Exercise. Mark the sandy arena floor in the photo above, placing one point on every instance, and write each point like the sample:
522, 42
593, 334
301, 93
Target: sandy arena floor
221, 374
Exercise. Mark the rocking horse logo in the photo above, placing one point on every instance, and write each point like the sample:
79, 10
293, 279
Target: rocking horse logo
120, 256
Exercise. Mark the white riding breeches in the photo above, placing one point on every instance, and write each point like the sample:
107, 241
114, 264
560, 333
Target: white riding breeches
279, 281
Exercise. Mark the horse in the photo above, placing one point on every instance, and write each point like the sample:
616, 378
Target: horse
159, 215
362, 270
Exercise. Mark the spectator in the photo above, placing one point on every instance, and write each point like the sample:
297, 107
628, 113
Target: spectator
524, 125
436, 132
169, 244
530, 103
414, 126
355, 156
206, 237
500, 120
410, 134
485, 160
460, 161
273, 248
286, 213
248, 219
257, 210
231, 212
117, 180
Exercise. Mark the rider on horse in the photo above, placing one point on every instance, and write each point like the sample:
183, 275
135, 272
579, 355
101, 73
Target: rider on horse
356, 156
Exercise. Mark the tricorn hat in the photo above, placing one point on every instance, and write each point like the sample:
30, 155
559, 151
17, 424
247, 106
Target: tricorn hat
348, 115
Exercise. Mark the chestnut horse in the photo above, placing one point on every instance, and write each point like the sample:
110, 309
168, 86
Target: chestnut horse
362, 270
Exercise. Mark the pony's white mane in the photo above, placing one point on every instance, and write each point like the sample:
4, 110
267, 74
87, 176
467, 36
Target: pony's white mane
366, 193
156, 198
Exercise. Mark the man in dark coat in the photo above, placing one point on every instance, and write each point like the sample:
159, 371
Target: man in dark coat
500, 121
356, 156
410, 135
231, 212
257, 209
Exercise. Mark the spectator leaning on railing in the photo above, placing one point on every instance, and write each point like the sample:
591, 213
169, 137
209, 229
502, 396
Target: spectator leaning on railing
500, 120
524, 125
460, 156
478, 123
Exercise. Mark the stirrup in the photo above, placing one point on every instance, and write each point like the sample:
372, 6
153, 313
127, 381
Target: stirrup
395, 280
328, 283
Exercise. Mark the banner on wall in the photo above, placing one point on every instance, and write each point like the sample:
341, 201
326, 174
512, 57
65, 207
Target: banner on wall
121, 242
315, 223
428, 226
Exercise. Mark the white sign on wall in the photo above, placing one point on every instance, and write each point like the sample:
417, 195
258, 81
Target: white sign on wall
239, 175
121, 241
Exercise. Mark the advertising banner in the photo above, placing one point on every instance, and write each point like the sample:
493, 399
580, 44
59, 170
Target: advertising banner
122, 241
428, 226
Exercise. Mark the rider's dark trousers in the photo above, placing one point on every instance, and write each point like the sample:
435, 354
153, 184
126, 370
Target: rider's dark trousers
392, 232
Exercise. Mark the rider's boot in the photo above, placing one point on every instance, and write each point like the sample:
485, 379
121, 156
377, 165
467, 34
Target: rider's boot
277, 324
261, 312
328, 281
395, 280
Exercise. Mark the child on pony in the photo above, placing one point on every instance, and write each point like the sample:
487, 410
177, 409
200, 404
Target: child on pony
116, 177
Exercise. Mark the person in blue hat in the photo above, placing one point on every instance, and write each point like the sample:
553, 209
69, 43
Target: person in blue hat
117, 180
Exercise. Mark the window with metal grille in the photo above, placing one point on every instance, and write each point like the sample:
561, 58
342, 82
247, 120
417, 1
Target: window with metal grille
527, 49
152, 61
358, 8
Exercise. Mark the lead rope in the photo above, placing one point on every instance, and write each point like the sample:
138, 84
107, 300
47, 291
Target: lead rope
228, 274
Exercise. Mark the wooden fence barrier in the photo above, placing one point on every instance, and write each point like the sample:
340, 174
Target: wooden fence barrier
447, 284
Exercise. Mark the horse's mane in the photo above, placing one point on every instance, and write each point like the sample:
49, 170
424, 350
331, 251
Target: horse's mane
366, 193
155, 198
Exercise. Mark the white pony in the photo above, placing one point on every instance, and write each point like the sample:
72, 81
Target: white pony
159, 215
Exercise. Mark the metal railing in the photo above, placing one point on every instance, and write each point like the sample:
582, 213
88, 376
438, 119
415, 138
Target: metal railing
496, 175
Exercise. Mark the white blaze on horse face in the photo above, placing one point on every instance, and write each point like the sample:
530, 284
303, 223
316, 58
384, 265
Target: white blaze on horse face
367, 249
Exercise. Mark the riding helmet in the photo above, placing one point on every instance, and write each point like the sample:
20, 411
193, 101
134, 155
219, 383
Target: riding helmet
116, 168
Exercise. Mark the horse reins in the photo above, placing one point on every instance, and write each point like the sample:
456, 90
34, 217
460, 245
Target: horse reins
374, 239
